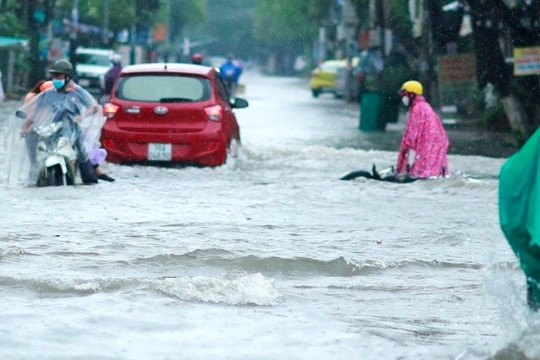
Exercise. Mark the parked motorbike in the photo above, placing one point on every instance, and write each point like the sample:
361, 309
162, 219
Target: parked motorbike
55, 156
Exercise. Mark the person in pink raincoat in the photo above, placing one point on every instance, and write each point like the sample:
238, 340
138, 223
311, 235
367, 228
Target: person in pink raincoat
422, 153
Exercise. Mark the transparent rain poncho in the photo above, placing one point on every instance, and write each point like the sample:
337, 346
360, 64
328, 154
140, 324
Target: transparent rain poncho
81, 119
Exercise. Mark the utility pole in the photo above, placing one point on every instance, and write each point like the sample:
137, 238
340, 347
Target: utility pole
132, 44
133, 34
381, 26
169, 32
106, 13
73, 36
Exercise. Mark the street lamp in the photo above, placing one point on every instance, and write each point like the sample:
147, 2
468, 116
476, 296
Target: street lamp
73, 33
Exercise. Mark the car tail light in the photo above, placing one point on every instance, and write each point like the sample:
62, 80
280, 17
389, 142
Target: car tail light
211, 145
108, 143
110, 110
214, 113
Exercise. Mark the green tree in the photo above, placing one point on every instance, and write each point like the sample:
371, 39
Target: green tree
29, 18
520, 95
10, 23
286, 28
183, 13
122, 14
230, 27
178, 15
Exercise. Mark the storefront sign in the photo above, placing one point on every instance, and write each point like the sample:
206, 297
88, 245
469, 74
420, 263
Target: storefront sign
527, 61
457, 79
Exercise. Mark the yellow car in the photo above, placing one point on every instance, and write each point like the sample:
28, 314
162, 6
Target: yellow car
323, 78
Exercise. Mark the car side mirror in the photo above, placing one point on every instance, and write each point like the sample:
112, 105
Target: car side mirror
103, 99
240, 103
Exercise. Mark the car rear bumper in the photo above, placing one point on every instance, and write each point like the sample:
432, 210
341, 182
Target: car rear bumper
205, 148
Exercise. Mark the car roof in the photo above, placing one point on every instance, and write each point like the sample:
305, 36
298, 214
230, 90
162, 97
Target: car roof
335, 61
94, 51
341, 62
168, 67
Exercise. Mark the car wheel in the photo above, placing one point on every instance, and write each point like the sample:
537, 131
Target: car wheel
315, 92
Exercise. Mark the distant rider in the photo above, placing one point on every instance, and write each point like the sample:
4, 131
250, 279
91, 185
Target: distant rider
112, 73
424, 145
230, 72
197, 59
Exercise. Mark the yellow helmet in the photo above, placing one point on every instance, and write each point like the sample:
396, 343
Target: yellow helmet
412, 86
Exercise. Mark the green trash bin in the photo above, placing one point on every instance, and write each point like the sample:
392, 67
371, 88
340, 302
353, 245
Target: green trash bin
372, 107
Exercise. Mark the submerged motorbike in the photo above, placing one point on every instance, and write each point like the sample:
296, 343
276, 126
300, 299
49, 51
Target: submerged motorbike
55, 156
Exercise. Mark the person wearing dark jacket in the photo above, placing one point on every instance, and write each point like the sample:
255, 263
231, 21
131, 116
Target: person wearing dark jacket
112, 73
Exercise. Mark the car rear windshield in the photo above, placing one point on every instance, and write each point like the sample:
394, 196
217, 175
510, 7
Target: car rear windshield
93, 59
163, 88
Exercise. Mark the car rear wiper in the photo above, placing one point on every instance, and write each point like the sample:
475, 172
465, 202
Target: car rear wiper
174, 99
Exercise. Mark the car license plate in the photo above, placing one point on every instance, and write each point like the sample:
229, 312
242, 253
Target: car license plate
159, 152
84, 82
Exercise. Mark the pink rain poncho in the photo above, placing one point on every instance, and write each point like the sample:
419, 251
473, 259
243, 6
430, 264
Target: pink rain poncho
425, 135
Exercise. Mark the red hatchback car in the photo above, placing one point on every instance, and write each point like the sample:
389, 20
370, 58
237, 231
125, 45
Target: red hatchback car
173, 113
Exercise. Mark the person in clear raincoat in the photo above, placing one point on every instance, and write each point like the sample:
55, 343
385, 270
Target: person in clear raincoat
67, 103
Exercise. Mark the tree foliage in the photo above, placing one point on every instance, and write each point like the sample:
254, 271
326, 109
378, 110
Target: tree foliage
288, 28
182, 13
10, 23
362, 13
230, 27
289, 21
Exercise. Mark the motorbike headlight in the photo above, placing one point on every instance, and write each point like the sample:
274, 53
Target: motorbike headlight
49, 129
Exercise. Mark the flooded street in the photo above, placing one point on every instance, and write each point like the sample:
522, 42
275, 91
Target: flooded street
270, 256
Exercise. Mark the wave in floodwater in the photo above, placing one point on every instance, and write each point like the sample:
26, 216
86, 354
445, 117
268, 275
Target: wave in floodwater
232, 289
317, 157
295, 266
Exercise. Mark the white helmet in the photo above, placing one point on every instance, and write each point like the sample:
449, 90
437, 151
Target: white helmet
116, 58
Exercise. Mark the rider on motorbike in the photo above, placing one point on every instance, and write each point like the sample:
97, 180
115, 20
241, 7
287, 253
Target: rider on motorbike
230, 72
66, 103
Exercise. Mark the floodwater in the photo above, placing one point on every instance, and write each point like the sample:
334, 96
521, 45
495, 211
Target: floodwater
270, 256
